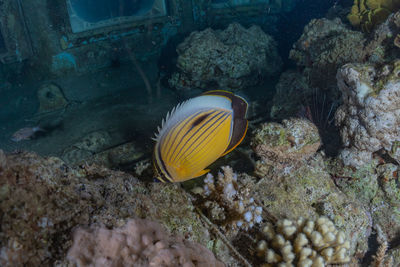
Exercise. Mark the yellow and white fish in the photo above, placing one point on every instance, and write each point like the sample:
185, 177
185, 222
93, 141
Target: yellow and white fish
196, 133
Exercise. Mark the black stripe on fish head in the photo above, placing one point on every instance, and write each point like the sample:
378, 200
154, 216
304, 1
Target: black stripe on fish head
199, 120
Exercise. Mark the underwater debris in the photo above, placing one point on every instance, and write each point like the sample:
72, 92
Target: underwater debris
230, 59
304, 243
228, 202
138, 243
90, 144
369, 118
51, 98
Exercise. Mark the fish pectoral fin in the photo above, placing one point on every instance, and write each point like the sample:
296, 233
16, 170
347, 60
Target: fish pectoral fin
201, 173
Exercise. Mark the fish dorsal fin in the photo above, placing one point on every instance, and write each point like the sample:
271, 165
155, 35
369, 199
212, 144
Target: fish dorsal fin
240, 123
185, 109
167, 117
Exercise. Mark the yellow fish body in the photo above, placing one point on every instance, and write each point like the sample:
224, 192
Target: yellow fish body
198, 132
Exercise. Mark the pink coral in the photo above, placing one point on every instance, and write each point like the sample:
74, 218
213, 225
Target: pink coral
138, 243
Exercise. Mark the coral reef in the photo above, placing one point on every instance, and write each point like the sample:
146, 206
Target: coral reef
379, 48
310, 191
366, 14
304, 243
228, 202
42, 199
230, 59
138, 243
376, 186
369, 119
324, 46
283, 146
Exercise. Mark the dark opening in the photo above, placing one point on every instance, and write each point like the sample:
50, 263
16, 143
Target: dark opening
98, 10
3, 48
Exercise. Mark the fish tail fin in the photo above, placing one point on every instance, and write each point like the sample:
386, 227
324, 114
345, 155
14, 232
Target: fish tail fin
38, 129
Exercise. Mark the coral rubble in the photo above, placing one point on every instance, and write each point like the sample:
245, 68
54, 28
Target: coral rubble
138, 243
230, 59
304, 243
369, 119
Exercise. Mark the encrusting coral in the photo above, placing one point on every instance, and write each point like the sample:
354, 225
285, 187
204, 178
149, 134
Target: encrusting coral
138, 243
303, 243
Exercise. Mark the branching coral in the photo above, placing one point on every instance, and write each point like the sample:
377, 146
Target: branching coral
228, 202
366, 14
304, 243
138, 243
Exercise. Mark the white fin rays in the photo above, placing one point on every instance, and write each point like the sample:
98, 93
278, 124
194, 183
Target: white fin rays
169, 115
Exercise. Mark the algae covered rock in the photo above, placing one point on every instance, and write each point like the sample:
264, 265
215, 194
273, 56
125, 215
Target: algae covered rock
291, 91
324, 46
369, 119
283, 146
230, 59
310, 192
374, 185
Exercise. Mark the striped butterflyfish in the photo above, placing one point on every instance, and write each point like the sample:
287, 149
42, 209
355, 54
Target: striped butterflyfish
196, 133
